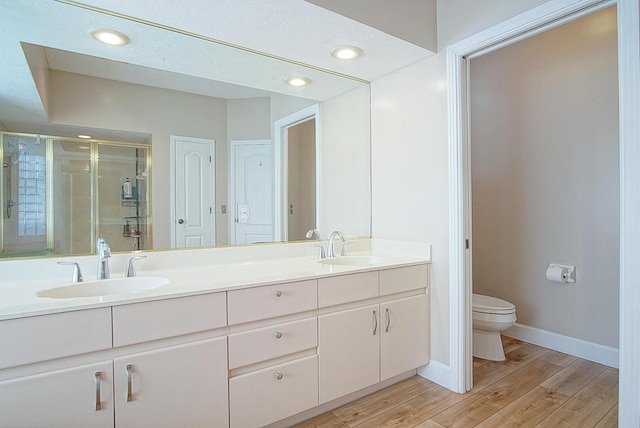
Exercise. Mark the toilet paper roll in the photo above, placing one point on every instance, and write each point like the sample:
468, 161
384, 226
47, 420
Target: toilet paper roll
557, 273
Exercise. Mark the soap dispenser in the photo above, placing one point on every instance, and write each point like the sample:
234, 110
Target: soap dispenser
127, 192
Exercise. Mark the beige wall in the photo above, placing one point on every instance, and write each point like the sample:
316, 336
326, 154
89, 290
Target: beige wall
544, 141
410, 196
410, 20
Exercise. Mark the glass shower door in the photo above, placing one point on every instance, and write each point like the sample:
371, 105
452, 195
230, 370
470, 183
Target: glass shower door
72, 204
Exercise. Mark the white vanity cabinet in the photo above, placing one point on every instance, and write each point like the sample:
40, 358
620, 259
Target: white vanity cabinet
171, 385
372, 326
74, 397
159, 363
64, 395
272, 353
404, 335
183, 385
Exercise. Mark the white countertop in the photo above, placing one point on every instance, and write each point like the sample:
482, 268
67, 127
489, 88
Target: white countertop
191, 272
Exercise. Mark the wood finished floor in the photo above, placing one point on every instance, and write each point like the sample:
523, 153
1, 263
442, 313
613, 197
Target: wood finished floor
534, 387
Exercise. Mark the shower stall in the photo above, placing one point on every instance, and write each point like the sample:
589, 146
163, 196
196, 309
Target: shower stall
58, 194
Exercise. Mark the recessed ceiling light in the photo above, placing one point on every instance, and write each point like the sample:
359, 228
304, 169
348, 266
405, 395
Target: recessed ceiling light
298, 81
346, 52
86, 137
110, 37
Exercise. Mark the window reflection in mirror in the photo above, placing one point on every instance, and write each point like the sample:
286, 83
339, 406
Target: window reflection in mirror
24, 195
47, 188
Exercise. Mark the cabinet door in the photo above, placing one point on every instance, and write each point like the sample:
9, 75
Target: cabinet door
404, 335
184, 385
75, 397
348, 349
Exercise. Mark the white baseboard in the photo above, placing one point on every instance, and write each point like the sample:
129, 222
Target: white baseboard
577, 347
437, 372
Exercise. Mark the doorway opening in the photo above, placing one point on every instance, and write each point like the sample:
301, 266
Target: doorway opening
519, 28
297, 151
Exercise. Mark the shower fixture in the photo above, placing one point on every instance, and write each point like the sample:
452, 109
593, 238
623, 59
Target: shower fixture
14, 158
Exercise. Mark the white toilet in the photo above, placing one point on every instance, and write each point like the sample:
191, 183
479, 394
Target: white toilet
490, 316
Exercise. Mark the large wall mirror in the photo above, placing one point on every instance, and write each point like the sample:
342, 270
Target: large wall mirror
284, 159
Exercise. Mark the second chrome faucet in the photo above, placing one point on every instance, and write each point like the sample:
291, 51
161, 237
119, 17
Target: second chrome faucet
104, 252
331, 252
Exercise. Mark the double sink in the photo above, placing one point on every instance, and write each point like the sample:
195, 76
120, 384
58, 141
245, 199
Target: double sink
132, 285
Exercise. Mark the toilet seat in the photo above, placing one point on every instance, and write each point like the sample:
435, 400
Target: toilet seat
492, 305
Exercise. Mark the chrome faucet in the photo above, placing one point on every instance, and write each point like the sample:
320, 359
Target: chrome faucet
104, 252
77, 273
131, 272
330, 251
313, 234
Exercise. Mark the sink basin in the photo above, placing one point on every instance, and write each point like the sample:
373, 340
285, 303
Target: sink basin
104, 287
351, 261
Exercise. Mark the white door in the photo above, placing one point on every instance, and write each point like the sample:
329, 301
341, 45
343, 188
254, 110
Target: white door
250, 192
192, 192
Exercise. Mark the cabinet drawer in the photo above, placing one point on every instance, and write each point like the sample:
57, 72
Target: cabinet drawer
404, 279
347, 288
41, 338
270, 301
265, 396
274, 341
141, 322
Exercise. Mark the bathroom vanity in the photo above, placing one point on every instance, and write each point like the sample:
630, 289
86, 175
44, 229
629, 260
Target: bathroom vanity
240, 343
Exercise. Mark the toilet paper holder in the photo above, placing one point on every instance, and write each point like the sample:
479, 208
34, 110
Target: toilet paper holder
569, 276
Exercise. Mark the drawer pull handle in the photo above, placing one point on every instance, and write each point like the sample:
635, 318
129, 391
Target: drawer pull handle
278, 293
98, 400
388, 321
279, 376
374, 322
278, 334
129, 395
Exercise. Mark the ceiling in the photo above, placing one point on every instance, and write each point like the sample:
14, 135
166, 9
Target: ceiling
57, 36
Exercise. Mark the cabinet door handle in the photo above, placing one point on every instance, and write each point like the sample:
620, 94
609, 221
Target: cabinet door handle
278, 293
278, 334
98, 400
374, 322
129, 395
279, 376
387, 320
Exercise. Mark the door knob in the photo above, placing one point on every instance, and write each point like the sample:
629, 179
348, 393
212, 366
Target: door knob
180, 221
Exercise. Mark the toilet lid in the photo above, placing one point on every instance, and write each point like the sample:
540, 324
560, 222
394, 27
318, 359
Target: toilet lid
492, 305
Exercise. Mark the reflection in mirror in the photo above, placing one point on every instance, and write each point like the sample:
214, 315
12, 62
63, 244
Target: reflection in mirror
57, 80
47, 186
24, 195
301, 183
123, 204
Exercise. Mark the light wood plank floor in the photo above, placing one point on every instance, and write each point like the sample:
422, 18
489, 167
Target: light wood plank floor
534, 387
